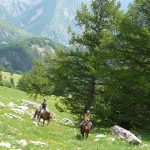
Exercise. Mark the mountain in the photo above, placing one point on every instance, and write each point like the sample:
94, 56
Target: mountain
18, 56
48, 18
9, 33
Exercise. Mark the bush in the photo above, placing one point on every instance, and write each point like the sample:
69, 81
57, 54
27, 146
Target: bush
6, 83
1, 83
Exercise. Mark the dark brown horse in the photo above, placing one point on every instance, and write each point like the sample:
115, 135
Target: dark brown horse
86, 128
45, 116
37, 114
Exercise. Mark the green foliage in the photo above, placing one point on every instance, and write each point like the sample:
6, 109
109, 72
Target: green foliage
1, 68
35, 81
108, 71
91, 58
10, 33
1, 77
6, 83
18, 56
128, 91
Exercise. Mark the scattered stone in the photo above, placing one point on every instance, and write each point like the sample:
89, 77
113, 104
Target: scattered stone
145, 146
0, 122
13, 116
11, 104
2, 104
125, 134
22, 142
111, 139
54, 114
101, 136
5, 144
30, 104
16, 110
79, 148
23, 108
66, 121
35, 123
96, 140
16, 149
10, 137
14, 129
39, 143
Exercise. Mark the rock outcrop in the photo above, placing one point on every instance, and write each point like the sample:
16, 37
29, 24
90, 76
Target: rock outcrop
125, 134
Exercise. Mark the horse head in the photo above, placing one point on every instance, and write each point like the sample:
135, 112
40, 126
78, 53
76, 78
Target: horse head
86, 128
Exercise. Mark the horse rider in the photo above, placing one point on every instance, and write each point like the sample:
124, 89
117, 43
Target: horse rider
43, 106
86, 117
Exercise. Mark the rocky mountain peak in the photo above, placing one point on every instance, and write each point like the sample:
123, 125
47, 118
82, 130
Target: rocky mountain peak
18, 7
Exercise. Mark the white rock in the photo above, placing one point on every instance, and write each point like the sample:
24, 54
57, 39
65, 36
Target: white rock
0, 122
145, 146
101, 136
16, 149
2, 104
10, 137
5, 144
35, 123
29, 104
39, 143
13, 116
12, 104
22, 142
17, 110
125, 134
23, 108
66, 121
96, 140
111, 139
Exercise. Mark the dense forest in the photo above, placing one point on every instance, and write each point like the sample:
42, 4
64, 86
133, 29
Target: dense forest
108, 70
10, 32
17, 56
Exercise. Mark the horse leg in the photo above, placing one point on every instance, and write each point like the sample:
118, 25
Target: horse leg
87, 135
34, 116
43, 122
48, 122
82, 135
39, 120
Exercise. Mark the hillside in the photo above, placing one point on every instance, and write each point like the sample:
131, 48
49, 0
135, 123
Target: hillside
18, 56
11, 33
22, 133
49, 18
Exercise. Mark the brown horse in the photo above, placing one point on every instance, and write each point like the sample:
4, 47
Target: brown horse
86, 128
37, 114
45, 116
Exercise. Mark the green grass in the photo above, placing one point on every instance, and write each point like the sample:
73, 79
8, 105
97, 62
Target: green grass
7, 76
56, 135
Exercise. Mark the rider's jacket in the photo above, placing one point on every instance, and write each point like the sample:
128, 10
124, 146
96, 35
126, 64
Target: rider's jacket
87, 117
43, 106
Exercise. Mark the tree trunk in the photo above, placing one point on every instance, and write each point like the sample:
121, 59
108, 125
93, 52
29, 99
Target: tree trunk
91, 94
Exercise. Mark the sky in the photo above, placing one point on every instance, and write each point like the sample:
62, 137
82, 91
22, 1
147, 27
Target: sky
125, 3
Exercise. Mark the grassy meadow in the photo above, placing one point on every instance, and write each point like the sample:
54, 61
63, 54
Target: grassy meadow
57, 136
